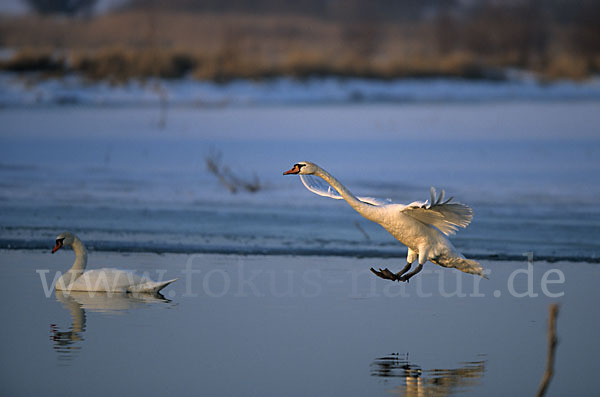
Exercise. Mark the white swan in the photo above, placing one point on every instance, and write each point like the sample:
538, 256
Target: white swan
421, 226
101, 280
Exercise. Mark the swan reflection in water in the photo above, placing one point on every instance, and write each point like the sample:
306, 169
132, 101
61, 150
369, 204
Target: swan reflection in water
428, 382
68, 343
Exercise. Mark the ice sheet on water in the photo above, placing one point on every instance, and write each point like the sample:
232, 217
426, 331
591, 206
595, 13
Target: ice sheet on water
528, 170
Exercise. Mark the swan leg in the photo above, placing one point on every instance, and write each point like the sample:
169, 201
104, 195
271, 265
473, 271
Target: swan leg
411, 257
404, 269
407, 276
423, 255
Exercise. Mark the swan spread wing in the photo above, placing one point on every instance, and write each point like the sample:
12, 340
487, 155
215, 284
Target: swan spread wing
322, 188
445, 216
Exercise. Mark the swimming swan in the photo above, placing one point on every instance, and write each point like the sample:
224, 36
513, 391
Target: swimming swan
100, 280
422, 226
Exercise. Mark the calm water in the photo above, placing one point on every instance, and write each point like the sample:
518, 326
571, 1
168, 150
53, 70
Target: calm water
285, 325
132, 190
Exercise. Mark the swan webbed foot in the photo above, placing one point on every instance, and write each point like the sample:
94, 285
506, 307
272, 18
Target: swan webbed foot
401, 276
387, 274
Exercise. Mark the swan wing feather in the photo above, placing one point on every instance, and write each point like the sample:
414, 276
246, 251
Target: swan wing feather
322, 188
444, 215
107, 279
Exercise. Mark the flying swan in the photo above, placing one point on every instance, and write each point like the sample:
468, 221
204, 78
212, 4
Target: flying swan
422, 226
100, 280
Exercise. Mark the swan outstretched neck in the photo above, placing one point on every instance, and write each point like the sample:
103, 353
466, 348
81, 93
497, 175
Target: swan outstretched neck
99, 280
364, 208
422, 226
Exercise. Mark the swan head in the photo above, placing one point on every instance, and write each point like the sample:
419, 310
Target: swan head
65, 238
302, 168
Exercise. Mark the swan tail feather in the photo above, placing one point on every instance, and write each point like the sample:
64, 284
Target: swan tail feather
152, 286
461, 263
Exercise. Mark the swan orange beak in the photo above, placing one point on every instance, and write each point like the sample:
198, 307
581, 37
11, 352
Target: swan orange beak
294, 170
58, 246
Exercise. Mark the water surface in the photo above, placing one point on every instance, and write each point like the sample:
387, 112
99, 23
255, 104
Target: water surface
280, 325
282, 302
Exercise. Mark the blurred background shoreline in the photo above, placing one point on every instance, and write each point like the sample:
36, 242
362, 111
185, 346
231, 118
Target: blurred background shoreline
263, 39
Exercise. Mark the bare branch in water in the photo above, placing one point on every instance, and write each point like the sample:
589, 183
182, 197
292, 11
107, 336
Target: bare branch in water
232, 182
360, 229
552, 342
161, 91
